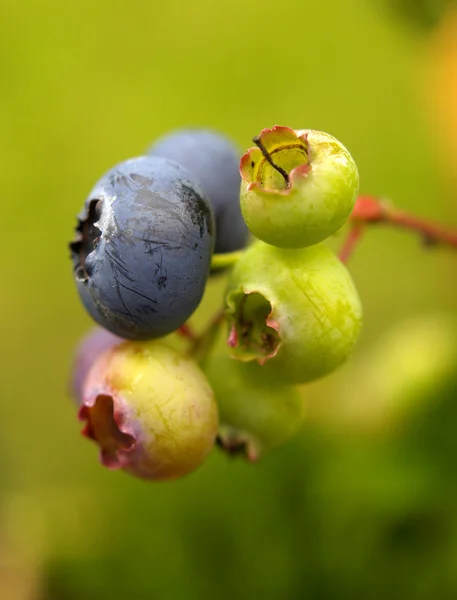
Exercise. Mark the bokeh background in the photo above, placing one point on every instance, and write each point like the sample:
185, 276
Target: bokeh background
363, 503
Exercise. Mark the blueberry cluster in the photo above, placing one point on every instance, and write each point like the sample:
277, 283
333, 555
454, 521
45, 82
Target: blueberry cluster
145, 238
150, 231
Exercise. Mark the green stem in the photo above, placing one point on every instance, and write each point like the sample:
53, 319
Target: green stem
221, 261
202, 346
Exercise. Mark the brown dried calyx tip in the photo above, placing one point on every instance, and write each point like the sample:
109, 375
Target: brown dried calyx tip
257, 140
233, 447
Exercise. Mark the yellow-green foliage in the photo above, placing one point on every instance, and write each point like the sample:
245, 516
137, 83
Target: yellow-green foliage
86, 84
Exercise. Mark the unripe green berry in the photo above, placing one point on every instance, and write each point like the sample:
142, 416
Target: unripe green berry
312, 196
257, 412
296, 312
150, 409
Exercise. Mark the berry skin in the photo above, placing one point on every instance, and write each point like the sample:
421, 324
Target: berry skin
150, 409
213, 161
296, 312
257, 412
312, 197
89, 349
143, 248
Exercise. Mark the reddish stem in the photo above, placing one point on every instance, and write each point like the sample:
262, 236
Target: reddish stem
187, 332
370, 210
431, 232
350, 242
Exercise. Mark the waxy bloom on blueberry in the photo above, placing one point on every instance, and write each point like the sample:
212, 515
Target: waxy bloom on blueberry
298, 187
296, 312
143, 248
257, 412
150, 409
213, 161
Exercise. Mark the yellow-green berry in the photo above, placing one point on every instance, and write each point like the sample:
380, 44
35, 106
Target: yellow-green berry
296, 312
298, 187
257, 412
150, 409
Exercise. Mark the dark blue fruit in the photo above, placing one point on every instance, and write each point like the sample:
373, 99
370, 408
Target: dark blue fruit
214, 162
143, 248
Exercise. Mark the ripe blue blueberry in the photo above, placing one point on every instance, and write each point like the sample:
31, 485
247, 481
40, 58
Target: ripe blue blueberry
213, 161
143, 247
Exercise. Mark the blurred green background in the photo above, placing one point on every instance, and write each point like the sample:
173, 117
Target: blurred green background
342, 511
